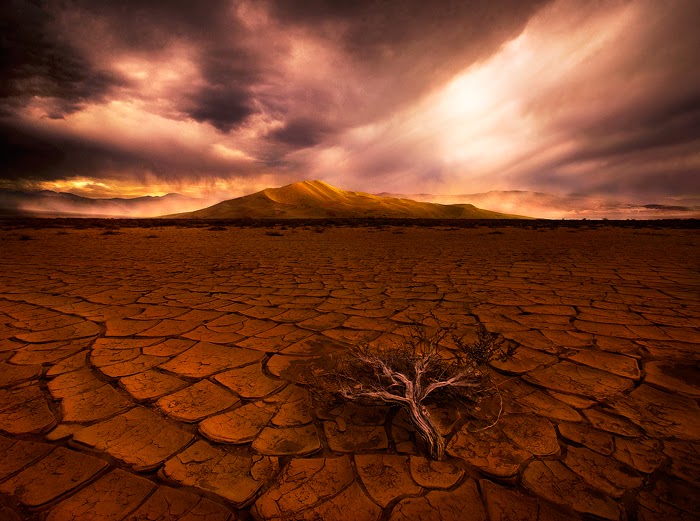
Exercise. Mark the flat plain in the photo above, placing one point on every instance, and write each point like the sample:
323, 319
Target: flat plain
160, 372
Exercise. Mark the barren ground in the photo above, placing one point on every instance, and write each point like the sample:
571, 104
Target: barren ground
157, 373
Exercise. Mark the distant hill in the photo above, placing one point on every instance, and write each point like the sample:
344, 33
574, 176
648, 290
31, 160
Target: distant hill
575, 206
47, 203
319, 200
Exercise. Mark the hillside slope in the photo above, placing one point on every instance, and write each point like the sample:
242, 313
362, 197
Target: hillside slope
319, 200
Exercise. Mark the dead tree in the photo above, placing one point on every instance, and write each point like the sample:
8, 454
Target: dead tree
419, 369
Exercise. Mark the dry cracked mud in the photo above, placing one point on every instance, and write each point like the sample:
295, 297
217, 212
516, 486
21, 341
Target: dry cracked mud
167, 377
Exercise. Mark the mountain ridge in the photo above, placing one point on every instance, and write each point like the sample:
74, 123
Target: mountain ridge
326, 199
319, 200
49, 203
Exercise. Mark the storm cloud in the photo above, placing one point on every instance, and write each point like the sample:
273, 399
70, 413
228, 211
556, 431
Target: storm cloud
398, 96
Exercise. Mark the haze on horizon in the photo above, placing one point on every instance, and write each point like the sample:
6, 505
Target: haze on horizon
223, 98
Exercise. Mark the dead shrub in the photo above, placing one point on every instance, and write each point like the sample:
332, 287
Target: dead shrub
419, 370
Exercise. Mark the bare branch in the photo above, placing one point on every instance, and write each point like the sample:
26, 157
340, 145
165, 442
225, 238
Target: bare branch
381, 395
459, 380
423, 367
500, 411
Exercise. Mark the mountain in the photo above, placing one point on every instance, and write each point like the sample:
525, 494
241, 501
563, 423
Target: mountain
319, 200
47, 203
576, 206
316, 199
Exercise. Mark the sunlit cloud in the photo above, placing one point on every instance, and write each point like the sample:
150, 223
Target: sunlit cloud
519, 118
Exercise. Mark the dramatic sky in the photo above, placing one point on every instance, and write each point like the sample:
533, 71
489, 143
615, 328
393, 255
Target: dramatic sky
207, 97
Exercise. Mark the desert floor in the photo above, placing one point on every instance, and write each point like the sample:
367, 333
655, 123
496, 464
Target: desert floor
158, 373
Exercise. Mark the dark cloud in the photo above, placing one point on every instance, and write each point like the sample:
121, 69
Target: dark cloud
225, 100
222, 106
152, 25
37, 58
641, 170
227, 66
299, 133
650, 185
36, 61
41, 155
382, 31
402, 48
668, 124
35, 154
627, 180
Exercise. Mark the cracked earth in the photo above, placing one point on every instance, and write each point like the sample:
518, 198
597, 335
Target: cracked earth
162, 374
